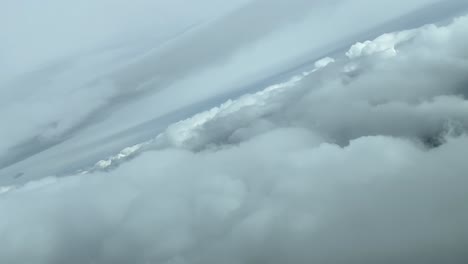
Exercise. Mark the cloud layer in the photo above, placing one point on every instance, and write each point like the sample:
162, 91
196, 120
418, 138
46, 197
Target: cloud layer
360, 160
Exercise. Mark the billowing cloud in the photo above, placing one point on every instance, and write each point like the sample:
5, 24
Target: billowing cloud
283, 196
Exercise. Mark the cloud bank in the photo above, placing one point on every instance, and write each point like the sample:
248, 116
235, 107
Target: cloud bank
360, 160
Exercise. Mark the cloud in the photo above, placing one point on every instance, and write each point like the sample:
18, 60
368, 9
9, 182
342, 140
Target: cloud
413, 95
62, 30
60, 84
122, 67
281, 196
332, 166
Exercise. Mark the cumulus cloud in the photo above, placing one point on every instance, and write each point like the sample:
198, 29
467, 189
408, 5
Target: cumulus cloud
417, 93
333, 166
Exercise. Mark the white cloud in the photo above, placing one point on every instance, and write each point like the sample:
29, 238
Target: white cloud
384, 45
